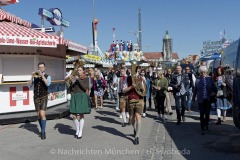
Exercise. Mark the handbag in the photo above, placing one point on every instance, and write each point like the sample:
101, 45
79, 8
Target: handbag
219, 93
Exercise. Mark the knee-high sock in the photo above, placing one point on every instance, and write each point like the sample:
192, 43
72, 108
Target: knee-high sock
40, 124
124, 117
43, 124
219, 113
81, 124
134, 125
138, 128
76, 122
224, 113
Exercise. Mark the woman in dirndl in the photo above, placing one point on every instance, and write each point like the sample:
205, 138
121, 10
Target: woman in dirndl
222, 103
79, 104
99, 85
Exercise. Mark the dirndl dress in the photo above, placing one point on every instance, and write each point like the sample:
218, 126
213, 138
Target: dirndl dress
222, 102
79, 103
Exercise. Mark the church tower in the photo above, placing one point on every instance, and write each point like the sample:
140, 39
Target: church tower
167, 47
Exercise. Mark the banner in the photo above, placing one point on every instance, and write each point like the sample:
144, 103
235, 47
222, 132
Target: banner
76, 47
92, 57
28, 41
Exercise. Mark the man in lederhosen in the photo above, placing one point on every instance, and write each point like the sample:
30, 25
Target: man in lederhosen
135, 105
40, 80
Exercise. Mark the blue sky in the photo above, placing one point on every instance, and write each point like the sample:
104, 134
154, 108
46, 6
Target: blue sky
189, 22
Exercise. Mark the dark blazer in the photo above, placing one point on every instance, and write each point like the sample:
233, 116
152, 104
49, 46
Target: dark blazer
198, 90
174, 82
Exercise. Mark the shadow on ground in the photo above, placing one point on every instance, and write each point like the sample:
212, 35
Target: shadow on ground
64, 129
30, 127
107, 119
112, 131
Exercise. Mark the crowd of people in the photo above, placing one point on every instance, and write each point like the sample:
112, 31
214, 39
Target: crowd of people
120, 84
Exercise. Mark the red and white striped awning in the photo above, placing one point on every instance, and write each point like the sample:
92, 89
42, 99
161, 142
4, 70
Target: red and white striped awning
10, 17
16, 35
18, 32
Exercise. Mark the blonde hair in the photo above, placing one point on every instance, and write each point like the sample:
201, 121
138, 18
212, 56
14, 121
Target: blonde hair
160, 74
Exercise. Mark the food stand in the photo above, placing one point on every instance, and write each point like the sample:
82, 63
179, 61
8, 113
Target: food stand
21, 49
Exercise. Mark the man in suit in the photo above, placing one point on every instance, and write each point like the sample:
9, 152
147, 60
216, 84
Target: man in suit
180, 84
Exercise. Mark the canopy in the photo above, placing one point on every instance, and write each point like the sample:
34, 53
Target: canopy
12, 18
211, 57
18, 32
16, 35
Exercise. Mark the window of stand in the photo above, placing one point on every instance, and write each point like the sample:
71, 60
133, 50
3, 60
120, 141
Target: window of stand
17, 68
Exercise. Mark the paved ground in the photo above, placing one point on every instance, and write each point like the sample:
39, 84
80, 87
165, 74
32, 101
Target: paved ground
104, 138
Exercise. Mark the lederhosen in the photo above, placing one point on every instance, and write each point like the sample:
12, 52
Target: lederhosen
135, 101
40, 93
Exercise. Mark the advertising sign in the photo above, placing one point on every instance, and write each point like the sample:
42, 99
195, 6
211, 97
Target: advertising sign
54, 16
28, 41
56, 91
77, 47
92, 57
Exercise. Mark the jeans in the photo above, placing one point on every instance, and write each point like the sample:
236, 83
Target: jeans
189, 98
117, 101
183, 105
111, 91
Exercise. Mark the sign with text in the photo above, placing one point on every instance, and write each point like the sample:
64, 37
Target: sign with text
77, 47
54, 16
19, 96
92, 57
28, 41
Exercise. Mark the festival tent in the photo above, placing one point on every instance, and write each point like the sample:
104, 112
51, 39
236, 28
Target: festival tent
21, 49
